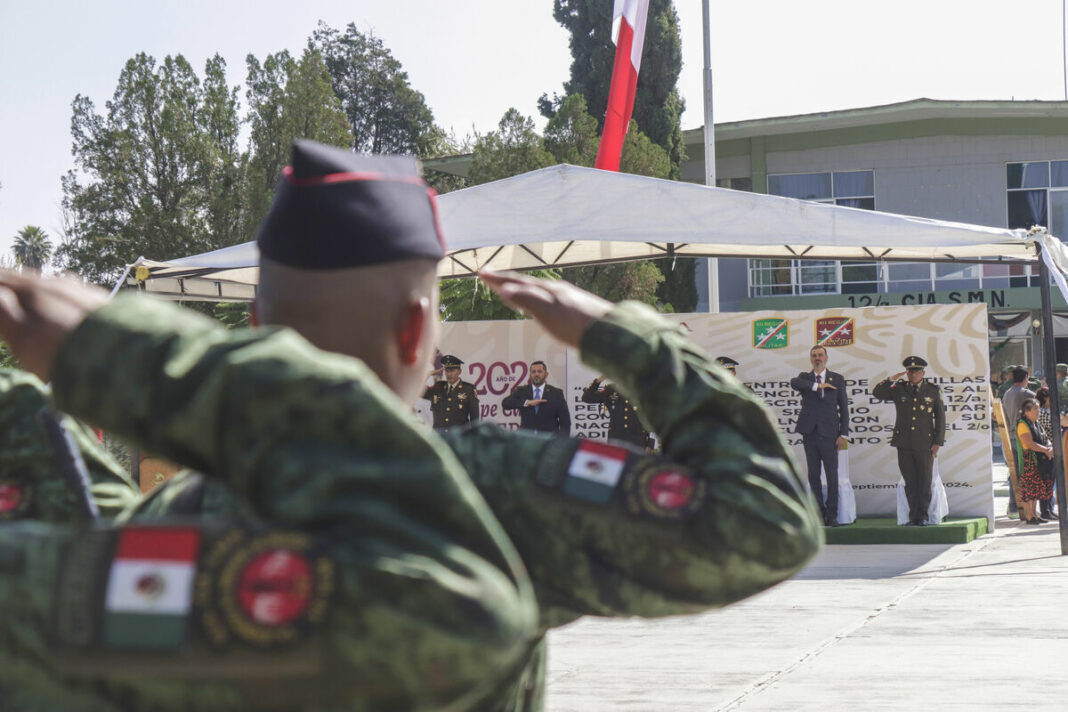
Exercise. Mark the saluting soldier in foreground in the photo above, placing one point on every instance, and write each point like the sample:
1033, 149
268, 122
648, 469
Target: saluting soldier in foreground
623, 421
919, 431
452, 401
366, 563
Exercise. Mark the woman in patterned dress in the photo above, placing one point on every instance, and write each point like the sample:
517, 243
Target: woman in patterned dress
1033, 440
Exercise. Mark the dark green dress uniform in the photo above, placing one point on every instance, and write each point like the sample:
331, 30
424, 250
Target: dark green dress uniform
921, 423
623, 421
452, 407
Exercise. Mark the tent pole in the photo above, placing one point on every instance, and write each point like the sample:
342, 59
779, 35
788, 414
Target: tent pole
710, 149
1050, 358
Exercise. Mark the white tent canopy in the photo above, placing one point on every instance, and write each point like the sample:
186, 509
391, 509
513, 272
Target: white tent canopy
565, 215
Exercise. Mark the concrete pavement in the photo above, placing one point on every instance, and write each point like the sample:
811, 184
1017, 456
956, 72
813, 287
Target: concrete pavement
968, 626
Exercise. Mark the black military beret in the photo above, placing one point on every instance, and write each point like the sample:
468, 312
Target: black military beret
914, 362
726, 361
450, 362
335, 209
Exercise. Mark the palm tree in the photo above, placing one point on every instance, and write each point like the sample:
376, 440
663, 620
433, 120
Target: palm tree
32, 248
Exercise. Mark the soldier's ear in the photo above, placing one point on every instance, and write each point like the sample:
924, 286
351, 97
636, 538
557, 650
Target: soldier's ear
409, 330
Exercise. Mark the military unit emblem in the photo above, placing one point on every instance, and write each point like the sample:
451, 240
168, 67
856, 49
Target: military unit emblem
835, 331
771, 333
663, 491
264, 590
16, 496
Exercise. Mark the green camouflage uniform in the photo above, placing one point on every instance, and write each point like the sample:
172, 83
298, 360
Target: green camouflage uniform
29, 484
431, 607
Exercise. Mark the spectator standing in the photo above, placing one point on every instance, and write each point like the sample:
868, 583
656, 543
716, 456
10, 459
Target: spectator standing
1033, 462
1011, 402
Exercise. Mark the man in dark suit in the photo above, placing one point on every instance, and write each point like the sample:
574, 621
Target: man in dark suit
824, 426
541, 407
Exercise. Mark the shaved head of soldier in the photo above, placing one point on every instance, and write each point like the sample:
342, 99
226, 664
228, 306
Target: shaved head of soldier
348, 258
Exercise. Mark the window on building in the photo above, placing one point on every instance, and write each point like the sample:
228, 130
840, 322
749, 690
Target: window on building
1037, 195
853, 189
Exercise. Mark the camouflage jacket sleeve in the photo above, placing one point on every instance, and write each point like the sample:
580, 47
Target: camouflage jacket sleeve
432, 605
34, 489
721, 514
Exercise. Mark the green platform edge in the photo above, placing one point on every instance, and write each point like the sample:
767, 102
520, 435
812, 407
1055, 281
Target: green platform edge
954, 530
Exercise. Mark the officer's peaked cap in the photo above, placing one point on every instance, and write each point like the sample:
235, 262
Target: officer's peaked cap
914, 362
450, 362
336, 209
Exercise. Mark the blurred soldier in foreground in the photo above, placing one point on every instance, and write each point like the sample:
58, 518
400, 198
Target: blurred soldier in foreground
30, 485
623, 422
359, 567
453, 402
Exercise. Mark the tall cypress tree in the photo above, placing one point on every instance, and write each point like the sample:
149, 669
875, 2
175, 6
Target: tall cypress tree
657, 104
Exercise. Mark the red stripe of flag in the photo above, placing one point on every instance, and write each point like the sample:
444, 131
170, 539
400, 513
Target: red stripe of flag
620, 102
158, 543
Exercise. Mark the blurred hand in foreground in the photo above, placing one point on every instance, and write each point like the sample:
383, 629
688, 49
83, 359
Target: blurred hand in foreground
561, 308
37, 314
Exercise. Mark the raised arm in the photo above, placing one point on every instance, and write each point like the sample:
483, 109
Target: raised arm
430, 604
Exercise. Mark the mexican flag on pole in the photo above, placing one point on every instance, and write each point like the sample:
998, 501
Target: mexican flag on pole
628, 34
150, 587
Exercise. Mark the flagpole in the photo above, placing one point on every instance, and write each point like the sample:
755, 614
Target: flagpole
710, 149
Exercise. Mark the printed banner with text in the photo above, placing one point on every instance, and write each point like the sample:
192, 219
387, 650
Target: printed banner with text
864, 345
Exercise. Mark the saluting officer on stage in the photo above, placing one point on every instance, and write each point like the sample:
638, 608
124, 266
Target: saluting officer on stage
919, 432
623, 423
453, 402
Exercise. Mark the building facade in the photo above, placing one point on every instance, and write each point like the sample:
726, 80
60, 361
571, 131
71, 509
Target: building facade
995, 163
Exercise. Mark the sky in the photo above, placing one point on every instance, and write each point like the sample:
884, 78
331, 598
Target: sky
474, 59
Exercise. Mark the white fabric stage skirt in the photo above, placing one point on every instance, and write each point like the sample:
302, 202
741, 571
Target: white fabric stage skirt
939, 506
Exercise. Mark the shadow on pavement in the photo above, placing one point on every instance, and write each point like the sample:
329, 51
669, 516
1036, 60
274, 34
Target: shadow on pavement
871, 561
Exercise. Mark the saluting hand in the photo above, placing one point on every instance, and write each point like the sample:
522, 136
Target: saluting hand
37, 314
559, 307
897, 376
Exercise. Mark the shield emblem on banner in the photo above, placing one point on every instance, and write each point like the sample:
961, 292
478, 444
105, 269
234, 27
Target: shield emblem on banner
771, 333
835, 331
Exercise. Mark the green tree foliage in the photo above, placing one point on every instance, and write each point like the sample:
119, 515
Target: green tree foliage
32, 248
152, 171
657, 104
514, 148
287, 100
387, 115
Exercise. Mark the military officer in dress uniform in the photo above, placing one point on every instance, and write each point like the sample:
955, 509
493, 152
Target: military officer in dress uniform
452, 401
919, 432
623, 422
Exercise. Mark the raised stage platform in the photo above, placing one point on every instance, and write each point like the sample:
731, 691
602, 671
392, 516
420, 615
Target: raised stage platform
954, 530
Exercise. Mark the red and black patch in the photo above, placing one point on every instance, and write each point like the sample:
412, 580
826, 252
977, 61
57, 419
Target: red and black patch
663, 491
265, 590
16, 497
